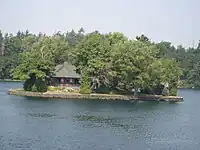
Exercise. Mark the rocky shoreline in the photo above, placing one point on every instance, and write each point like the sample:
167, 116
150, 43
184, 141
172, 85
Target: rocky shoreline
64, 95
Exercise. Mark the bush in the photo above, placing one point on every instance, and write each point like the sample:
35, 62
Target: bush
173, 89
173, 92
34, 88
85, 84
35, 85
28, 84
103, 89
41, 86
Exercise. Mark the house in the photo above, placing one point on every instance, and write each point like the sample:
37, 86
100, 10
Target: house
65, 75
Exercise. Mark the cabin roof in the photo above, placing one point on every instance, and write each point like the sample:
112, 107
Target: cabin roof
66, 70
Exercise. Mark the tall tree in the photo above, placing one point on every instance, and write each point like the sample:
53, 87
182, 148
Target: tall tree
91, 53
1, 44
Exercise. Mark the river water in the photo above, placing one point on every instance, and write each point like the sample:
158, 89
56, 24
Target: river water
49, 124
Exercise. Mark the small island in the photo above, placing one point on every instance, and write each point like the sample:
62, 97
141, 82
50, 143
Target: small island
94, 66
65, 84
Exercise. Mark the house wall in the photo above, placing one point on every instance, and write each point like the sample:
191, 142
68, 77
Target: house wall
65, 82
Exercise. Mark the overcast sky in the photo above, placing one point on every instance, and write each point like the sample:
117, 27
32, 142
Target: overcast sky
170, 20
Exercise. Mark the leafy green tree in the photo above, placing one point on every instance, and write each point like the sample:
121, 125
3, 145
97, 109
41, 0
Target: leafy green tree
118, 63
37, 64
123, 64
166, 71
1, 44
85, 83
194, 72
6, 63
115, 38
91, 53
60, 48
131, 62
74, 38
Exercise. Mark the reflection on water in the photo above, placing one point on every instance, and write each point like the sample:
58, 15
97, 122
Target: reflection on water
100, 121
43, 115
49, 124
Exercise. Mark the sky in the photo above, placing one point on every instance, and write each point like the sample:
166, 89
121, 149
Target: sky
176, 21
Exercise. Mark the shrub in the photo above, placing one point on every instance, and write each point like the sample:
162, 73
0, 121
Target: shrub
34, 88
173, 92
28, 84
85, 84
34, 85
41, 86
173, 89
103, 89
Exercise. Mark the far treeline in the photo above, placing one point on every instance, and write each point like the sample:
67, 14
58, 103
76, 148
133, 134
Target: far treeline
120, 64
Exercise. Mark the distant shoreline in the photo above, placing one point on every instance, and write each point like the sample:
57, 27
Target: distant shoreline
64, 95
9, 80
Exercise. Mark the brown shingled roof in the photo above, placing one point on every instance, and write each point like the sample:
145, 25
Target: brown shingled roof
66, 70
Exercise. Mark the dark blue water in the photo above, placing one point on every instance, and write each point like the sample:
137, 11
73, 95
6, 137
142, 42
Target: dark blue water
42, 124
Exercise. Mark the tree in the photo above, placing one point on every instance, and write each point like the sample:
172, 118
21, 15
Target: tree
131, 62
115, 38
1, 44
194, 75
85, 83
37, 65
91, 53
142, 38
116, 62
166, 71
74, 38
60, 49
6, 63
123, 64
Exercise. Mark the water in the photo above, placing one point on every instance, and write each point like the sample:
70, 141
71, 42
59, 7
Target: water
47, 124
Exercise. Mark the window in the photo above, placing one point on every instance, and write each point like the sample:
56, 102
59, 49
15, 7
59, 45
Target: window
71, 80
62, 81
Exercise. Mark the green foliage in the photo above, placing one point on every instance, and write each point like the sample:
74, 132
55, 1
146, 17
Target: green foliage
93, 52
28, 84
115, 38
120, 64
85, 83
123, 64
1, 44
39, 60
103, 89
74, 38
35, 85
34, 88
173, 91
194, 76
142, 38
131, 62
41, 86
